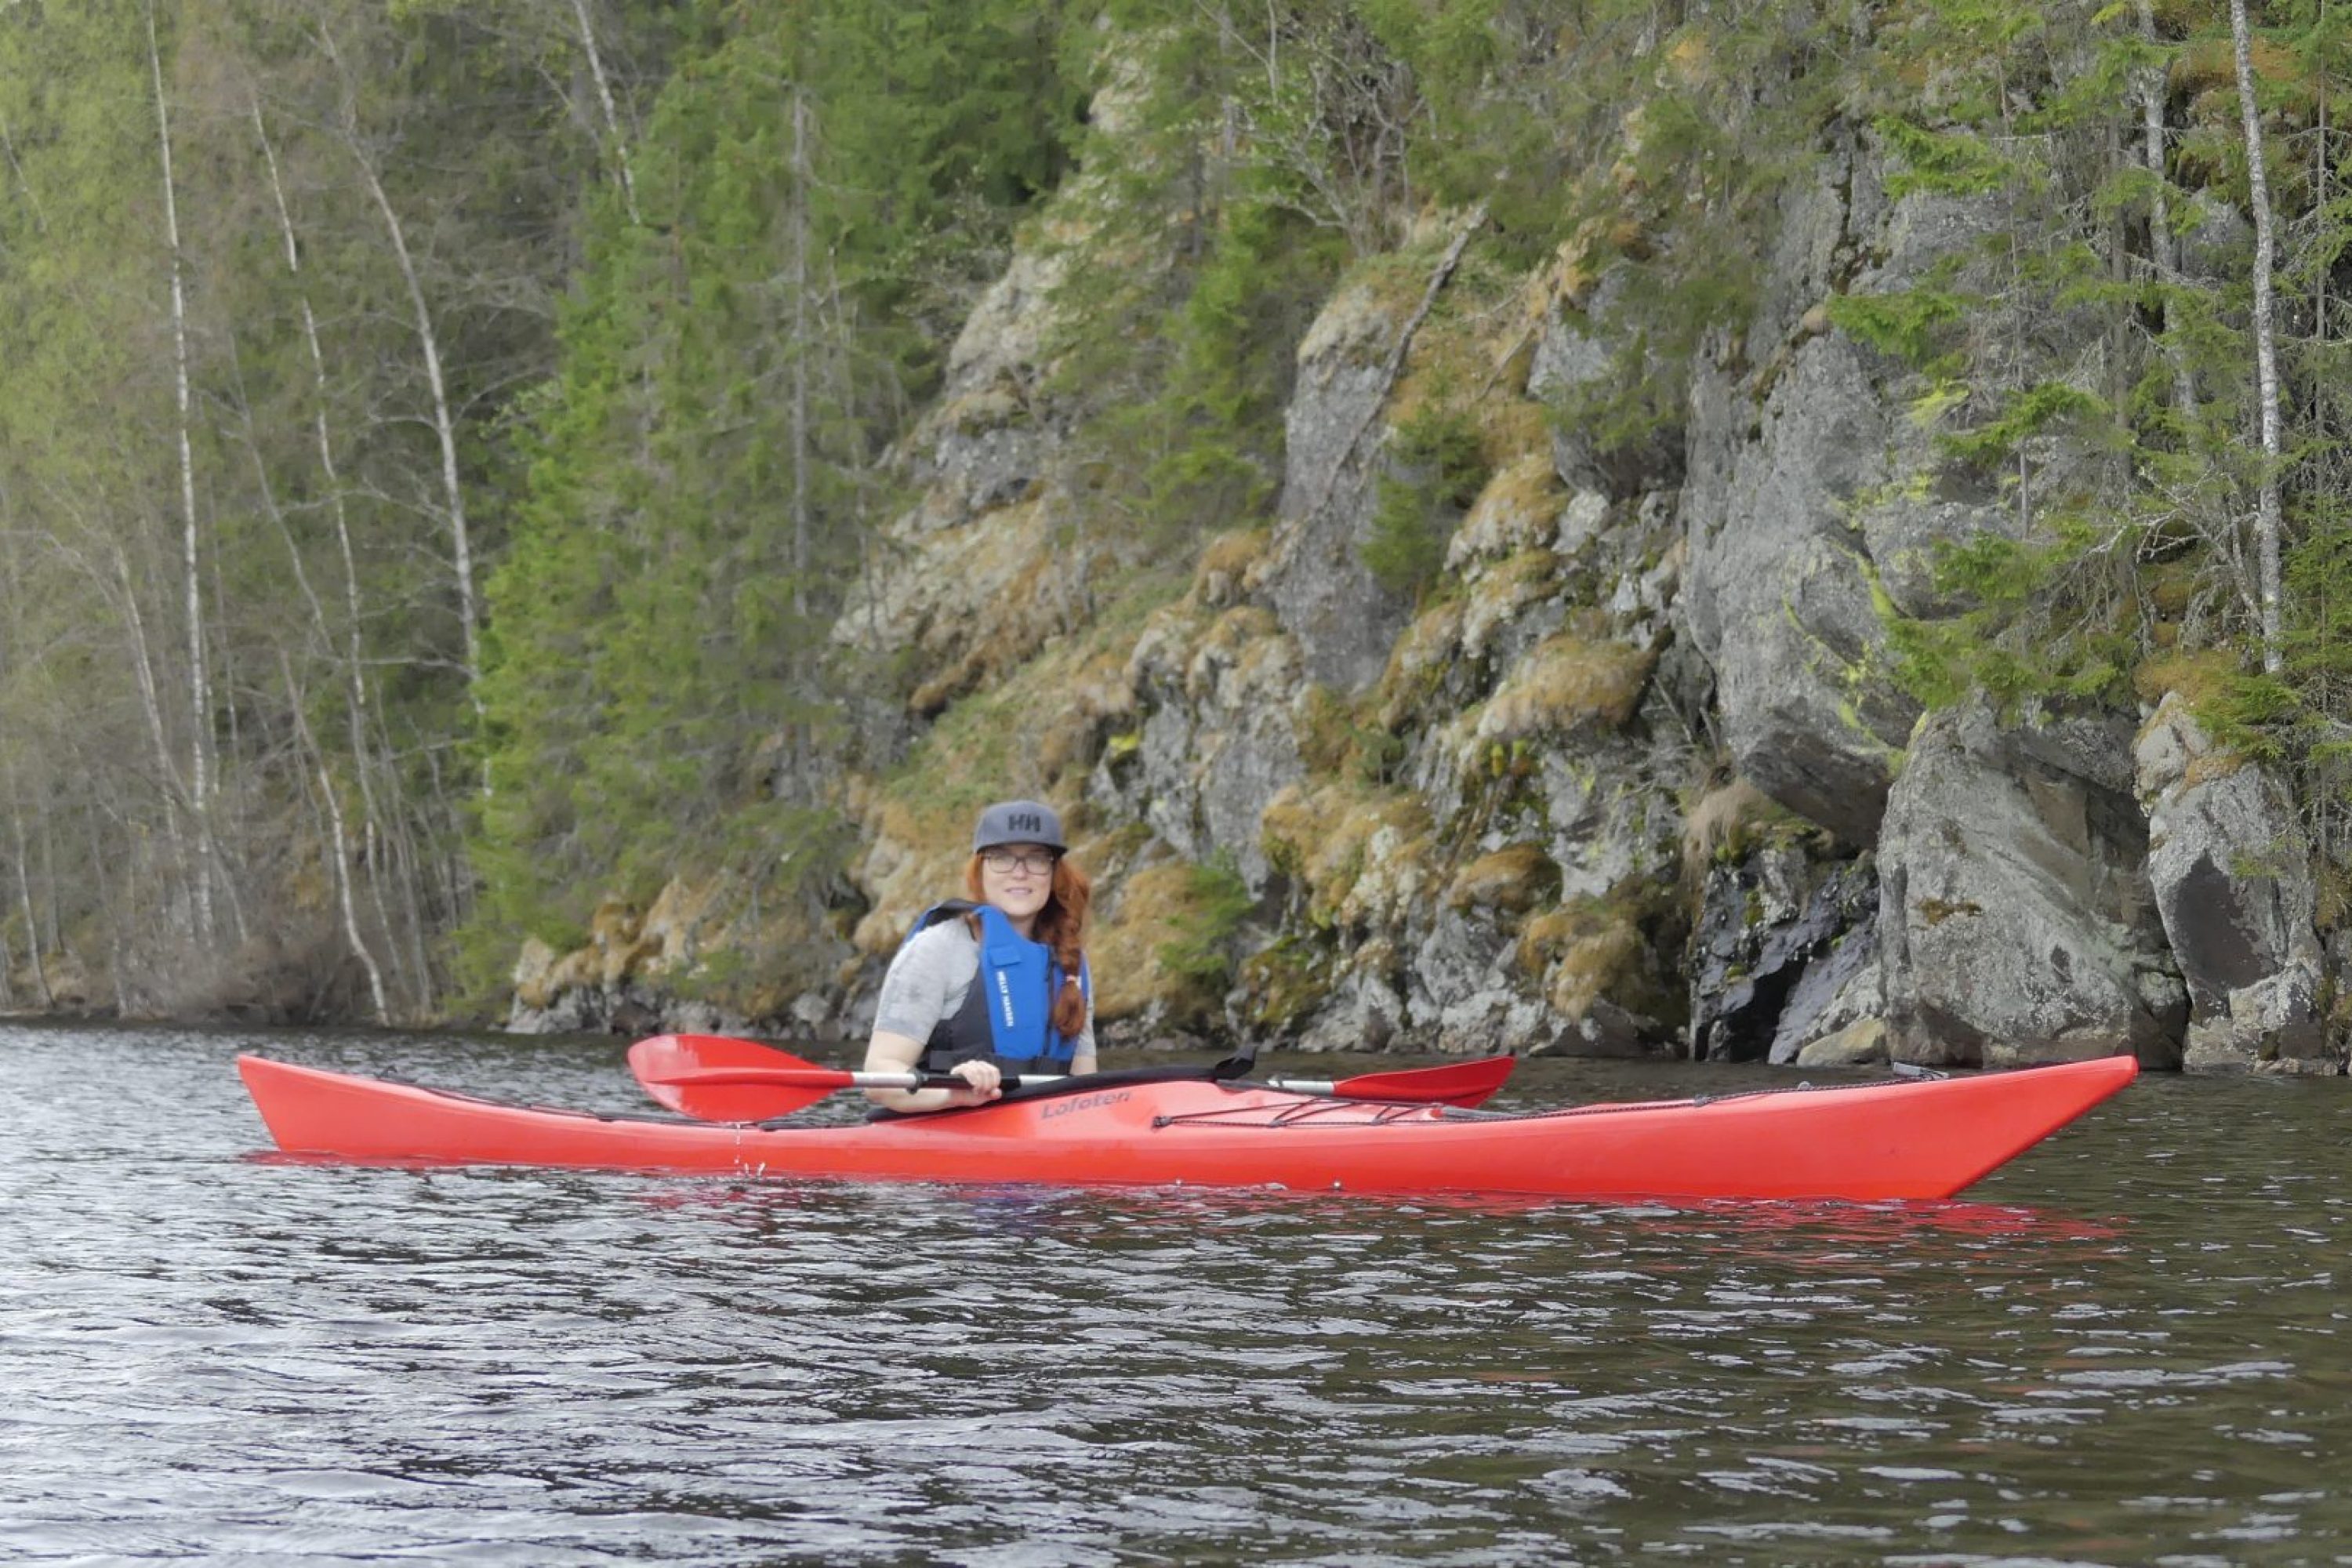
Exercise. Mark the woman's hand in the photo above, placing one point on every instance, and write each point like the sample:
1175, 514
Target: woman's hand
986, 1082
978, 1082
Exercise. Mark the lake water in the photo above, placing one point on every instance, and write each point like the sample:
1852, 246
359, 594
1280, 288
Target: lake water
2131, 1346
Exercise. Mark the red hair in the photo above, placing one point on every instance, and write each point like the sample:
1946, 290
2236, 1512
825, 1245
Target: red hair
1062, 926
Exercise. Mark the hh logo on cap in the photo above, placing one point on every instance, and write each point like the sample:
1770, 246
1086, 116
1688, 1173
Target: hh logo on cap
1025, 822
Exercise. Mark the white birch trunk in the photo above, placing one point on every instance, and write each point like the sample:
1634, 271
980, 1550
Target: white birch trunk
445, 425
2267, 521
408, 878
339, 845
611, 115
800, 353
32, 197
199, 685
24, 902
355, 693
151, 702
796, 752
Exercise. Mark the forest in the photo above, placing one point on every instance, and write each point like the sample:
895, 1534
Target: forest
621, 480
433, 437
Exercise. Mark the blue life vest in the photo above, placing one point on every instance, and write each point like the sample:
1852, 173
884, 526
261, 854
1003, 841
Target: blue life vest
1006, 1014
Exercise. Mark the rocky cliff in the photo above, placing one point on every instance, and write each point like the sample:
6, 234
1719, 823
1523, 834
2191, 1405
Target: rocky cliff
1630, 772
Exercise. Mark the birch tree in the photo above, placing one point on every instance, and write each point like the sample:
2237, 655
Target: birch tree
613, 135
200, 789
2267, 375
428, 342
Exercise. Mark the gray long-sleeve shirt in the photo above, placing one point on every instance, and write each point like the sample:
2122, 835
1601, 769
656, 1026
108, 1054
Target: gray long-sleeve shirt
927, 982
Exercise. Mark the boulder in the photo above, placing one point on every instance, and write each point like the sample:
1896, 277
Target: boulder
2231, 872
2016, 922
1862, 1043
2272, 1027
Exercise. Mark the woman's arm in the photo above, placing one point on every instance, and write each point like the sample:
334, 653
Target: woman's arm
888, 1052
1082, 1056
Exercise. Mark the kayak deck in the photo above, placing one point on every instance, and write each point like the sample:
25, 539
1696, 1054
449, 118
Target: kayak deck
1864, 1142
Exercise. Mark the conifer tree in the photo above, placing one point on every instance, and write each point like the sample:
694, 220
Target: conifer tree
819, 193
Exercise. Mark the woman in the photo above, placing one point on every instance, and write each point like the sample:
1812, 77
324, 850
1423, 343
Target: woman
997, 984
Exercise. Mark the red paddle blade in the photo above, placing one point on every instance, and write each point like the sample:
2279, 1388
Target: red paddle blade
660, 1060
1457, 1083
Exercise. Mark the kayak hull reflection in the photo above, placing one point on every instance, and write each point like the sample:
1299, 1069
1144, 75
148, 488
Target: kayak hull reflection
1866, 1141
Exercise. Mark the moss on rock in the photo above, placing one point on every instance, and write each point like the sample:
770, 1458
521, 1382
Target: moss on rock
1227, 565
1284, 985
1518, 510
1567, 684
1509, 881
1610, 949
1355, 851
1732, 821
1152, 910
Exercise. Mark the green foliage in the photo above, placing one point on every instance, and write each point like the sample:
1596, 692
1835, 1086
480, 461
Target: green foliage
700, 474
1216, 903
2037, 410
2043, 621
1437, 469
1913, 325
1622, 415
1195, 267
2254, 715
1946, 163
1214, 431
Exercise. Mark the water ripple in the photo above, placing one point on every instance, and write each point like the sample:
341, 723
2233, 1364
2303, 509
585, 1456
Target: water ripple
2125, 1349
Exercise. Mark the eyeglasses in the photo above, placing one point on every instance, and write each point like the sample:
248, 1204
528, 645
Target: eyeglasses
1002, 861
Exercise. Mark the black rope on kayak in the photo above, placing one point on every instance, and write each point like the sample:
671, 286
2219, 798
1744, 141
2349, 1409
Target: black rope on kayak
1305, 1113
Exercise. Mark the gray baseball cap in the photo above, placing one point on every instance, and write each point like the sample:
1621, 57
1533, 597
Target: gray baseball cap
1018, 822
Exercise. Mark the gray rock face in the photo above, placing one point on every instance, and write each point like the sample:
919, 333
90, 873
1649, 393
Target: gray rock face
2231, 872
1462, 983
2271, 1026
635, 1008
1604, 827
1813, 493
1365, 1011
1778, 595
1218, 740
1785, 952
1342, 619
982, 445
2016, 921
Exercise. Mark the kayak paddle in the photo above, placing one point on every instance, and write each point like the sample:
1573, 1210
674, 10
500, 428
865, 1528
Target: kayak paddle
713, 1078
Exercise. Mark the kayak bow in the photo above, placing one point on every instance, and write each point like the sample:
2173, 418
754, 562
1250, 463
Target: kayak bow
1864, 1142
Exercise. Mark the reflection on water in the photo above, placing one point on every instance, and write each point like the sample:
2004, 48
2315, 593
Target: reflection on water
2127, 1348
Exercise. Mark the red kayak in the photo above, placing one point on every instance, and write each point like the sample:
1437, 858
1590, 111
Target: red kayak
1907, 1138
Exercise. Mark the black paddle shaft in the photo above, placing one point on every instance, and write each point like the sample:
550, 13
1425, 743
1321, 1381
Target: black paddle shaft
1009, 1082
